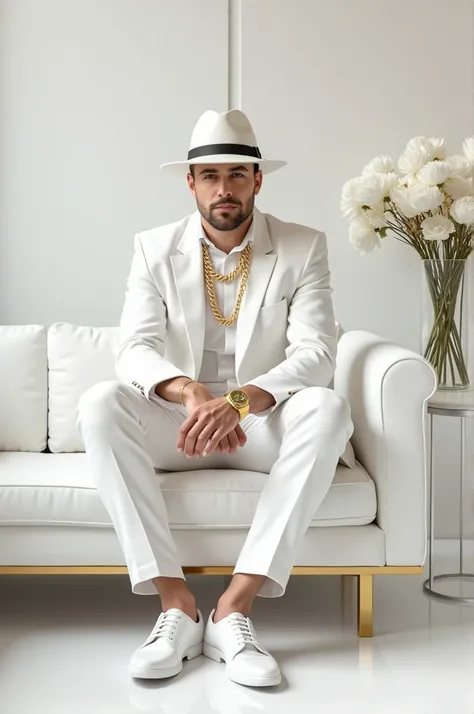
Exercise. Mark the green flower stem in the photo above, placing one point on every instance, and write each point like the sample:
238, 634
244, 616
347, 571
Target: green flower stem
444, 348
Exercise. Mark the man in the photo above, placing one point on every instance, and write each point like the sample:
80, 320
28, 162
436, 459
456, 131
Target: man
227, 348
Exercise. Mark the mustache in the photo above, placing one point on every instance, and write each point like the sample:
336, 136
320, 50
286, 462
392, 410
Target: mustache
225, 203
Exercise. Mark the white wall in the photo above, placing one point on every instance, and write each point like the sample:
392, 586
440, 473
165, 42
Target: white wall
95, 94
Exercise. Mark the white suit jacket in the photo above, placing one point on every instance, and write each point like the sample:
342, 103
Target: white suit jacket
285, 332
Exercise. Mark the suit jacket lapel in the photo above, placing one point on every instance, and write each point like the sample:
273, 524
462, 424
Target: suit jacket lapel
188, 274
189, 278
261, 268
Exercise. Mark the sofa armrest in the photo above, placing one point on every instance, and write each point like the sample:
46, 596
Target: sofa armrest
387, 387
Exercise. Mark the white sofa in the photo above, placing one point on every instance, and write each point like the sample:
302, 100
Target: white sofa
372, 521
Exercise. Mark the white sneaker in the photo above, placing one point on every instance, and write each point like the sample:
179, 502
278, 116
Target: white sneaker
233, 640
174, 637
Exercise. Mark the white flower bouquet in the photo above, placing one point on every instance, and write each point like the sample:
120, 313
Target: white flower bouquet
427, 204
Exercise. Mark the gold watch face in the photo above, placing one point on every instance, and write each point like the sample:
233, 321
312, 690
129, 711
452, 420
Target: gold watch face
239, 398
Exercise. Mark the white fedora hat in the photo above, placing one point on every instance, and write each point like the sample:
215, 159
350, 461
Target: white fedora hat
223, 138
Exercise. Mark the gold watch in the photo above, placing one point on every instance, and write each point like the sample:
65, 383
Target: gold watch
239, 400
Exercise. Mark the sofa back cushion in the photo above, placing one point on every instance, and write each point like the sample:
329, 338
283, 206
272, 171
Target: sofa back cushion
78, 358
23, 388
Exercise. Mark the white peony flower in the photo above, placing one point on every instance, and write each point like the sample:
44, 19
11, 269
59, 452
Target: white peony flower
399, 195
379, 165
458, 187
468, 149
376, 215
460, 166
462, 210
434, 147
410, 162
372, 189
351, 207
408, 180
425, 198
434, 173
363, 236
437, 149
418, 152
437, 228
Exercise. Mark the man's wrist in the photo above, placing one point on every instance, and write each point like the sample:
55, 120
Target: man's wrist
172, 389
260, 400
193, 390
232, 407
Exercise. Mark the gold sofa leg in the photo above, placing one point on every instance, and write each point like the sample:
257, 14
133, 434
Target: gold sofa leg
365, 605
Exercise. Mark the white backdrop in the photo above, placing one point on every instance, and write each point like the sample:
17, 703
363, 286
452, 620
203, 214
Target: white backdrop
94, 95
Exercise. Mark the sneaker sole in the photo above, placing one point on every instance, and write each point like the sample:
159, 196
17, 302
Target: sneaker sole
216, 655
157, 673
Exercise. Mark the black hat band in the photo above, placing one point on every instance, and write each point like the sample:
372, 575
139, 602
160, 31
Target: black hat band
212, 149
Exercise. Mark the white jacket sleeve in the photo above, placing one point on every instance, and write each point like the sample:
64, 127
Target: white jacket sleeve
312, 335
139, 357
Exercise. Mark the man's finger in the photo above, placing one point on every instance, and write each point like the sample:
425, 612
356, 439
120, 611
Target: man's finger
241, 435
233, 441
216, 437
189, 446
203, 438
183, 431
224, 445
198, 435
191, 438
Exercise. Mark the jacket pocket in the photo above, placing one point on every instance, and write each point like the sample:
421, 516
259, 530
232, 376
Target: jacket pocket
274, 312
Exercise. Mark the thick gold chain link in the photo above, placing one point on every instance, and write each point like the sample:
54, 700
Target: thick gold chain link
210, 274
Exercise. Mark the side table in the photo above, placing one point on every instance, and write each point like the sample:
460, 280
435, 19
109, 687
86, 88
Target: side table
453, 404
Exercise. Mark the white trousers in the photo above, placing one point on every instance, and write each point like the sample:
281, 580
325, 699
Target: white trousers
298, 445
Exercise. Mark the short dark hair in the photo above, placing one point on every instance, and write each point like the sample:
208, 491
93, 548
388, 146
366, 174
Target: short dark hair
256, 168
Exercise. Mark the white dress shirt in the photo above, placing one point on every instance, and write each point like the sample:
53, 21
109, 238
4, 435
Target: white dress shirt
218, 360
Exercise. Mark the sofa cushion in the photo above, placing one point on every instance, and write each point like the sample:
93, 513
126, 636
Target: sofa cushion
23, 388
78, 358
48, 489
348, 457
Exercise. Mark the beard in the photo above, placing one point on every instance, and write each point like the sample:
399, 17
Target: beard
227, 220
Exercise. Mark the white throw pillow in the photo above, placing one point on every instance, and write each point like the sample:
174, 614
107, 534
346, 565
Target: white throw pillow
78, 358
23, 388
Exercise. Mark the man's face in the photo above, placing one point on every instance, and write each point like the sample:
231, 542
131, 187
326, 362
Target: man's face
225, 193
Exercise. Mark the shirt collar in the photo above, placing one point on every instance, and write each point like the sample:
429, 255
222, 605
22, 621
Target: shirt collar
249, 238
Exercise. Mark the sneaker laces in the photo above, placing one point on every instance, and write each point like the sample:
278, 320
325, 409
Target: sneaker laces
244, 632
165, 626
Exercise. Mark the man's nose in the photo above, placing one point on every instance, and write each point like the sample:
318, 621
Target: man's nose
224, 188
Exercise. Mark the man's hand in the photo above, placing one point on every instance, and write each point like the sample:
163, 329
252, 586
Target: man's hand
209, 420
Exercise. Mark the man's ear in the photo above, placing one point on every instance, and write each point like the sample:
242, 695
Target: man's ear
258, 181
191, 186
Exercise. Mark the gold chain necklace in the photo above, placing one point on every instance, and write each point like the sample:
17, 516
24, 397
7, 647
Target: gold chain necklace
210, 274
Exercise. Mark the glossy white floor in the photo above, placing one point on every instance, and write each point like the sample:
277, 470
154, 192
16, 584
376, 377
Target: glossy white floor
65, 644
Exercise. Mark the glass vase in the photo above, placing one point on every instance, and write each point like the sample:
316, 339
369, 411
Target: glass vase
444, 320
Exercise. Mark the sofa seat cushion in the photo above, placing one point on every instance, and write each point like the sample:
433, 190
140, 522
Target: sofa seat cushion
40, 489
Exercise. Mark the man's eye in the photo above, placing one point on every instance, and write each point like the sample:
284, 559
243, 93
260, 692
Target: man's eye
237, 175
209, 176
